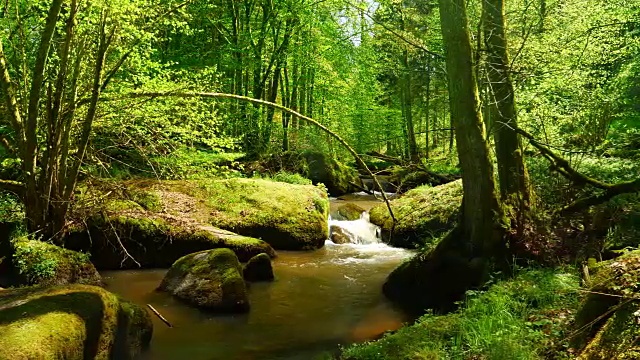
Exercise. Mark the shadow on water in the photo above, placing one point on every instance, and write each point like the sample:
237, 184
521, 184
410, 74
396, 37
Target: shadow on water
319, 300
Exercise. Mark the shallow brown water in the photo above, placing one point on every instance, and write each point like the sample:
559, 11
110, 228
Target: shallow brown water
319, 300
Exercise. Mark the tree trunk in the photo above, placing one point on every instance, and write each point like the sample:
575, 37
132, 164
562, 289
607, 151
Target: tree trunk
463, 259
514, 179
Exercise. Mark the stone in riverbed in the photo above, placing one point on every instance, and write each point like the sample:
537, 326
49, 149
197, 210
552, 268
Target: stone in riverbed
71, 322
350, 211
339, 235
258, 268
423, 215
210, 280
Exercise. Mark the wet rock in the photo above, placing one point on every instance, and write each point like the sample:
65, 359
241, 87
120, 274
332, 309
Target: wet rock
350, 211
607, 323
210, 279
35, 262
339, 235
423, 214
71, 322
258, 269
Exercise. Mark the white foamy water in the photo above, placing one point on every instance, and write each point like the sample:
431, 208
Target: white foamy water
365, 244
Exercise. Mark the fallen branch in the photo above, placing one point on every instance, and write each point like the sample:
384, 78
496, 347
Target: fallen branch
159, 315
562, 166
281, 108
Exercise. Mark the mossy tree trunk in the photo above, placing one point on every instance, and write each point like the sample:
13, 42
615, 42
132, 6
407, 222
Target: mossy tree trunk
512, 171
461, 261
481, 210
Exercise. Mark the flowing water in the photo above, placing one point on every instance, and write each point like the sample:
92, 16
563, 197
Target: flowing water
319, 300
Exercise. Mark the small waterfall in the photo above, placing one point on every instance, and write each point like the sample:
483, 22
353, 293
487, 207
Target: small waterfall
360, 231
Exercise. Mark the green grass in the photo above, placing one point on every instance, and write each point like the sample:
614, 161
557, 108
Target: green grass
287, 177
520, 318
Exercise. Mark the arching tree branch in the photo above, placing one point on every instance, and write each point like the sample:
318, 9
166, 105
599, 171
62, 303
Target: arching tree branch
281, 108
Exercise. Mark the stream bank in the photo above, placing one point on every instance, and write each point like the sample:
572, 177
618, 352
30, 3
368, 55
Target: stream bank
318, 301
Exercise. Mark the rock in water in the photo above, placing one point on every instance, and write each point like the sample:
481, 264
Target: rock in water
71, 322
210, 279
423, 215
258, 268
350, 211
339, 235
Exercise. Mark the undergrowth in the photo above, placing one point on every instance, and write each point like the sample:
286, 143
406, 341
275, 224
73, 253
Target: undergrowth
522, 318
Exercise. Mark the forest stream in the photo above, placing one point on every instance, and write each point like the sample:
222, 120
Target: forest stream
319, 300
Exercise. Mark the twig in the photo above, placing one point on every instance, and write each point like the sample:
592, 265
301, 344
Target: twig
159, 315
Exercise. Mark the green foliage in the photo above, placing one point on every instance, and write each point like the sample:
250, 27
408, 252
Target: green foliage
520, 318
11, 209
290, 178
43, 263
554, 190
35, 262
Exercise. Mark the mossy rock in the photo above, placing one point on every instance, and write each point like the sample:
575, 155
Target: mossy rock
154, 243
350, 211
189, 216
36, 262
287, 216
337, 177
607, 322
422, 214
258, 268
210, 280
71, 322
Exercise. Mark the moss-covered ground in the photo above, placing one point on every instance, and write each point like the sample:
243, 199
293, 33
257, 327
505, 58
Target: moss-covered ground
159, 221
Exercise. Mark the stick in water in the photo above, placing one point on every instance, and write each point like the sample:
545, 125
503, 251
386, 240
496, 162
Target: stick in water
159, 315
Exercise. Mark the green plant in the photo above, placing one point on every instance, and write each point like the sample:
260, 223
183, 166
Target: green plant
519, 318
290, 178
35, 262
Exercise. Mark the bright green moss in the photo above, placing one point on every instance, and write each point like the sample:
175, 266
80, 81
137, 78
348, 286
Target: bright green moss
422, 214
38, 262
71, 322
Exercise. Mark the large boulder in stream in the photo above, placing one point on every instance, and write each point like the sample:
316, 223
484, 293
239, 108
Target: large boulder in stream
153, 223
423, 214
70, 322
607, 321
210, 280
35, 262
258, 268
